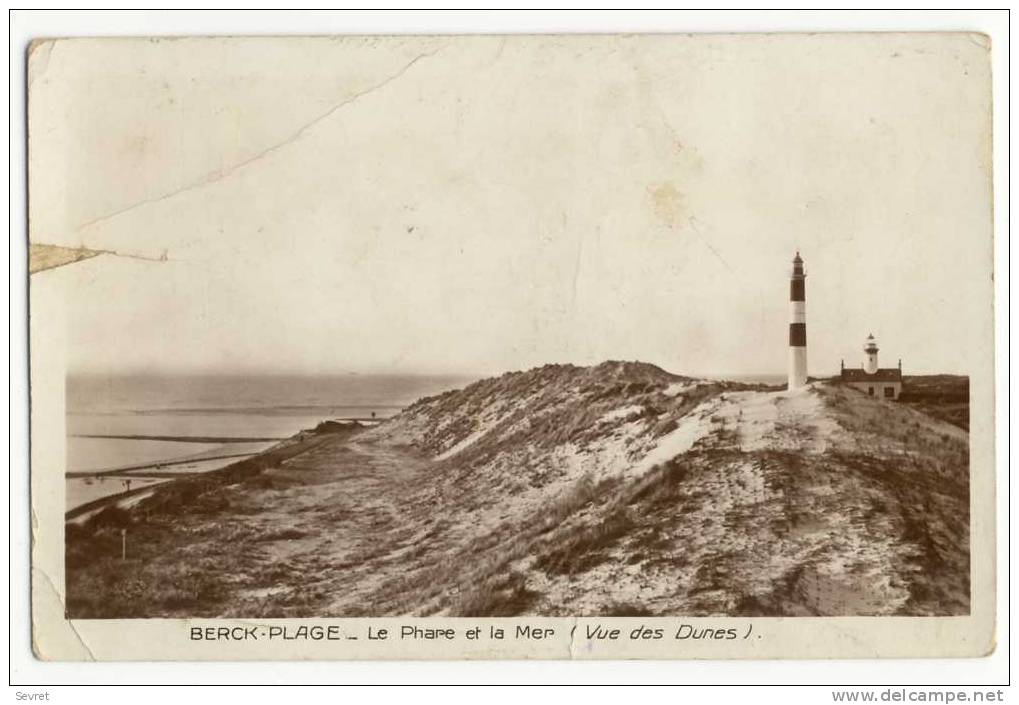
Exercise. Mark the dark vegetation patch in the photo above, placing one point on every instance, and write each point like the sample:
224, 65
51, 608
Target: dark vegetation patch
588, 546
932, 509
625, 609
500, 597
283, 535
943, 397
344, 427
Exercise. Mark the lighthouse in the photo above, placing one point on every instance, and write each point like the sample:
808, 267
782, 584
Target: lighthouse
870, 348
797, 325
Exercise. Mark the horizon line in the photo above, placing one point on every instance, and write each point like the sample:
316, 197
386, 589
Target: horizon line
438, 374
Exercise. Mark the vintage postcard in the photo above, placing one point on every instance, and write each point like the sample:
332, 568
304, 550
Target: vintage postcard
419, 347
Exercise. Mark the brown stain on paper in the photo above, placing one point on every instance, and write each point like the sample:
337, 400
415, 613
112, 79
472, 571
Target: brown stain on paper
43, 257
667, 203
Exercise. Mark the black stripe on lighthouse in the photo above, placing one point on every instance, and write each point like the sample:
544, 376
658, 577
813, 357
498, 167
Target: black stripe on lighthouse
798, 335
797, 290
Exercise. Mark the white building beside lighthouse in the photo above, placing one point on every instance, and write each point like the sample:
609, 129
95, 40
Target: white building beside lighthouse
797, 325
875, 381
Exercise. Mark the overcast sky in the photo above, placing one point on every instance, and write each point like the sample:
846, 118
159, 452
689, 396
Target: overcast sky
476, 205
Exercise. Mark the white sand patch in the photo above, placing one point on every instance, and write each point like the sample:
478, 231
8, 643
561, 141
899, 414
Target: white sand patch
465, 442
803, 408
406, 429
614, 581
571, 457
613, 454
125, 503
261, 593
755, 415
790, 420
136, 499
677, 388
619, 452
621, 413
484, 423
692, 427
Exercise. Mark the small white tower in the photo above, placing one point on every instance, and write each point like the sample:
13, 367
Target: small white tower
797, 325
870, 347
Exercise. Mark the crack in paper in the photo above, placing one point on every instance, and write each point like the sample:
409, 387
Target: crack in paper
300, 132
35, 630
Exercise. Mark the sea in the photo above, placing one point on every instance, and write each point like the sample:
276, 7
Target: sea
128, 433
768, 378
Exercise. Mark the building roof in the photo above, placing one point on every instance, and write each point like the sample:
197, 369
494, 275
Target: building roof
885, 374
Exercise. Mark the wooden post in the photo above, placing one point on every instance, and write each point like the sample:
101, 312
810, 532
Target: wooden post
123, 544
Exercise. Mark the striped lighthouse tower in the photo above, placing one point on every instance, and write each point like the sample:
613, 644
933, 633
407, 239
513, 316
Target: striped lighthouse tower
797, 325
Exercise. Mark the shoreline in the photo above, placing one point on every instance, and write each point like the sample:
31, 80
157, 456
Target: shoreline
113, 472
300, 442
179, 439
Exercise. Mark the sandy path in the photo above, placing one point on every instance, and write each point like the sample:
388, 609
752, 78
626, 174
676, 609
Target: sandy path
332, 522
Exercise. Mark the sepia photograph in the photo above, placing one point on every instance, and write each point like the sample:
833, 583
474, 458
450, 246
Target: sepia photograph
532, 326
